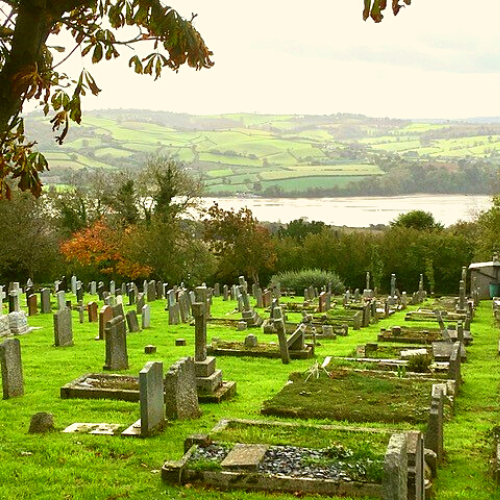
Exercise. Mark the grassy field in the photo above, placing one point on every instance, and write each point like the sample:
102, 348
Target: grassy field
77, 467
281, 147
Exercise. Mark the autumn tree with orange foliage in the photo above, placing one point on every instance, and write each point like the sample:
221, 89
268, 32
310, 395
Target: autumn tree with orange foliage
100, 248
242, 245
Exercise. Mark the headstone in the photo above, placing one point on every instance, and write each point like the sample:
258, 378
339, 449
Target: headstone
112, 287
251, 341
225, 293
41, 423
217, 290
159, 290
45, 301
146, 316
140, 302
14, 304
12, 370
105, 315
73, 285
151, 291
279, 326
180, 391
116, 344
63, 328
79, 291
18, 323
32, 305
395, 478
93, 288
132, 321
259, 297
131, 296
92, 311
81, 312
100, 290
151, 397
61, 300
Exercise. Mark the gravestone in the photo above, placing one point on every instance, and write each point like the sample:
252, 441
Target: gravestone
18, 323
454, 369
79, 291
225, 293
81, 312
93, 288
32, 305
151, 291
131, 296
217, 290
73, 285
45, 301
63, 328
100, 290
14, 304
296, 341
105, 315
395, 478
180, 391
132, 321
159, 290
251, 341
184, 306
4, 325
259, 297
140, 302
151, 397
146, 316
92, 312
61, 300
112, 287
279, 326
116, 344
12, 369
173, 309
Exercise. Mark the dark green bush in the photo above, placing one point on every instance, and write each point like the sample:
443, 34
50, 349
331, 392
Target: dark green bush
298, 280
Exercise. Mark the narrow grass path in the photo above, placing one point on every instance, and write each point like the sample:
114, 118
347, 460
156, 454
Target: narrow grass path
468, 439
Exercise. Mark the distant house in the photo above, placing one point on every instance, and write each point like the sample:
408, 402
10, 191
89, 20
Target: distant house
487, 276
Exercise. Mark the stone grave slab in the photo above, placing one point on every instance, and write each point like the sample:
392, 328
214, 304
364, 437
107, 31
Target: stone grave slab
90, 428
245, 456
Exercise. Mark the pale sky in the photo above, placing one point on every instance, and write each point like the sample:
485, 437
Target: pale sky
436, 59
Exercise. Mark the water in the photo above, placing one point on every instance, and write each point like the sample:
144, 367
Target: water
358, 212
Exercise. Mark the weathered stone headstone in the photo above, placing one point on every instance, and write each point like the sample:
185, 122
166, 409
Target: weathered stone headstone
217, 290
132, 321
92, 311
63, 328
225, 293
41, 423
93, 288
79, 291
18, 323
434, 433
116, 344
32, 305
151, 291
279, 326
180, 391
146, 316
61, 300
73, 285
251, 341
45, 301
140, 302
395, 479
105, 315
100, 290
151, 397
12, 369
112, 287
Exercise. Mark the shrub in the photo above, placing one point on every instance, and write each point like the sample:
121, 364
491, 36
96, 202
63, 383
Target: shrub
298, 280
419, 363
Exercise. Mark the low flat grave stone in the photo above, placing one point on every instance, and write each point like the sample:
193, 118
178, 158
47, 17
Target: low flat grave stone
261, 350
103, 429
416, 335
245, 456
303, 464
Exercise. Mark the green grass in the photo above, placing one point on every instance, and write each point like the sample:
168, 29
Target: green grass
61, 466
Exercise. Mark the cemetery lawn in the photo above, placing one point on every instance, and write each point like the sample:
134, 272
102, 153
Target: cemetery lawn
81, 467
